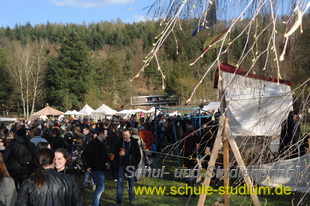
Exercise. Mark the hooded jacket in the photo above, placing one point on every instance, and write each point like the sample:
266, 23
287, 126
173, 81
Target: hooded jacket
58, 189
19, 154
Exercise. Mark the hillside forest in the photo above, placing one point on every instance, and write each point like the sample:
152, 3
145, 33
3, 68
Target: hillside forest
68, 65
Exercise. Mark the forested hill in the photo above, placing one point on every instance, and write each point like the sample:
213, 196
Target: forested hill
68, 65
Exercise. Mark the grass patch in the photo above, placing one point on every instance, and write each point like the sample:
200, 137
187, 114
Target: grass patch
305, 128
109, 196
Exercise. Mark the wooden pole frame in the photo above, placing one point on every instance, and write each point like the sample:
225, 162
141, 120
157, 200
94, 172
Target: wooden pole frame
224, 131
211, 164
224, 136
226, 169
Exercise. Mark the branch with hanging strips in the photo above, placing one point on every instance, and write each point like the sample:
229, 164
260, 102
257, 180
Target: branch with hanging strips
298, 23
251, 48
273, 36
217, 59
162, 74
209, 19
240, 34
243, 55
217, 40
218, 56
162, 37
165, 33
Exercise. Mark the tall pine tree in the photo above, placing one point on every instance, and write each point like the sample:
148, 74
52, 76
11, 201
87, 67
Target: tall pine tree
69, 74
5, 90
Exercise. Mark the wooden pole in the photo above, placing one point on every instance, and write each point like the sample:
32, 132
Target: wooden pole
211, 164
241, 164
226, 168
214, 155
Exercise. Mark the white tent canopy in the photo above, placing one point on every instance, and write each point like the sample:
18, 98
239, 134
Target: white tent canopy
103, 111
6, 119
212, 106
68, 112
86, 110
126, 111
175, 113
139, 110
74, 112
152, 110
131, 111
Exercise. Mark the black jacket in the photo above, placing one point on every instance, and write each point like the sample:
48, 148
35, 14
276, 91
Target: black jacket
19, 155
134, 155
88, 138
58, 142
58, 189
94, 155
77, 176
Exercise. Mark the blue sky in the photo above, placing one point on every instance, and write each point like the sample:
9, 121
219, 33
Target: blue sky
70, 11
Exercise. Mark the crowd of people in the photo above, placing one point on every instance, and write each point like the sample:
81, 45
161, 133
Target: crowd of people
51, 162
41, 157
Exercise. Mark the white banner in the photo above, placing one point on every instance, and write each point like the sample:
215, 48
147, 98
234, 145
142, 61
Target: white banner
255, 107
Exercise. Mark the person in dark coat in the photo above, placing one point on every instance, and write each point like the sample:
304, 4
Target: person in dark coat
56, 141
19, 157
87, 135
113, 138
129, 155
47, 186
190, 141
290, 135
94, 158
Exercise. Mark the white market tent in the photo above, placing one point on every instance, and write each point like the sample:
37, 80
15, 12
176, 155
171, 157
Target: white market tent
175, 113
139, 110
126, 111
74, 112
68, 112
152, 110
7, 121
212, 106
131, 111
102, 112
86, 110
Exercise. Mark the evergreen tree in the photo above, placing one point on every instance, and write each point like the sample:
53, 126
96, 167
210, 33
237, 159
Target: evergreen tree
69, 74
5, 89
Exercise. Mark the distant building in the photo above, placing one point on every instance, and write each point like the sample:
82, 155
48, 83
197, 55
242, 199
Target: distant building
153, 100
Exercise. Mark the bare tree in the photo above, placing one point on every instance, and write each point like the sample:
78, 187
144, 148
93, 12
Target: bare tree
27, 69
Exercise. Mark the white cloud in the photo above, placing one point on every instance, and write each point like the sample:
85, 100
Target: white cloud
139, 18
88, 3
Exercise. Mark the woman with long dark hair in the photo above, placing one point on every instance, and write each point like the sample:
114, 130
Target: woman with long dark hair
48, 187
63, 164
8, 192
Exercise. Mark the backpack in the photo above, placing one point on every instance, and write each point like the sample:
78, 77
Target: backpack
25, 156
